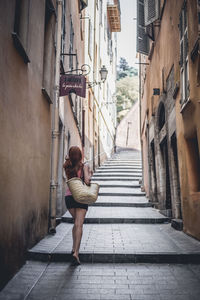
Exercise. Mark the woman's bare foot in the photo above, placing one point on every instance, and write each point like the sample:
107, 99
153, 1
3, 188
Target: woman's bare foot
75, 259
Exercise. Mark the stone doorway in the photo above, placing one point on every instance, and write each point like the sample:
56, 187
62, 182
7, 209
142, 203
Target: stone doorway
167, 189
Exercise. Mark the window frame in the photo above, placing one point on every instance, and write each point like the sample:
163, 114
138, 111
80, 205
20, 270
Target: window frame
184, 55
49, 41
71, 44
90, 37
19, 44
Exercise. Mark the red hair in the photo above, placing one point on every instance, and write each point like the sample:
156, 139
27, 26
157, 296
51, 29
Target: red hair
73, 163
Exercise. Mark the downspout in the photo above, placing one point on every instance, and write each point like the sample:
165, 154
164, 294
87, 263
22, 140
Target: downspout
55, 126
141, 143
94, 51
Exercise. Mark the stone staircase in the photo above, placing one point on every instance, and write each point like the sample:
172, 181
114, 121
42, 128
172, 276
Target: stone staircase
122, 226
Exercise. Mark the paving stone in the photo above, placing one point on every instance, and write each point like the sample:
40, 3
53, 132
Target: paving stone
123, 243
114, 250
62, 281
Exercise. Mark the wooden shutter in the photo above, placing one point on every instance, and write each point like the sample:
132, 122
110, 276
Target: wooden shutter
142, 38
151, 11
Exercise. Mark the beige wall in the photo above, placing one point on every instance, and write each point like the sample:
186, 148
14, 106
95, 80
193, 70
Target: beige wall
25, 141
166, 55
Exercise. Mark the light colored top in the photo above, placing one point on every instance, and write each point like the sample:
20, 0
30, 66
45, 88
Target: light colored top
68, 190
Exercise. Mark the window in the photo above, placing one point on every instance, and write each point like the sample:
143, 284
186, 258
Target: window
105, 26
90, 39
49, 51
71, 45
161, 118
101, 12
63, 32
142, 38
21, 26
184, 54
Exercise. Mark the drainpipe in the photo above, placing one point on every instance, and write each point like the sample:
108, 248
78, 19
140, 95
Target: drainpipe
55, 126
141, 143
93, 116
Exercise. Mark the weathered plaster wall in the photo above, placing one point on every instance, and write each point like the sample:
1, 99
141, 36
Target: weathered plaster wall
186, 123
25, 118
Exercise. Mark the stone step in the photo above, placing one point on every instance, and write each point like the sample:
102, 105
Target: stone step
109, 215
120, 191
119, 168
127, 243
133, 171
115, 178
118, 163
123, 159
122, 204
136, 201
115, 166
116, 174
117, 183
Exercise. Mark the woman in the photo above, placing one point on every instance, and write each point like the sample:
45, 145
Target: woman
75, 168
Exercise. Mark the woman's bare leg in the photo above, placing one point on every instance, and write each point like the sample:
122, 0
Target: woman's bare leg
73, 214
78, 229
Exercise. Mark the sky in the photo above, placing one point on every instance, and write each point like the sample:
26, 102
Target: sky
127, 37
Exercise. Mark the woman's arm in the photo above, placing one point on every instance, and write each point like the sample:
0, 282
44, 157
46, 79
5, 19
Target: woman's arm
87, 173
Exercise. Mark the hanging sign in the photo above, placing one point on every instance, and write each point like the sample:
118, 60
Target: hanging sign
73, 84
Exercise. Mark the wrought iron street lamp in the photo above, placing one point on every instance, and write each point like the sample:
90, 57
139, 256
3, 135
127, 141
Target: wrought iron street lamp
103, 73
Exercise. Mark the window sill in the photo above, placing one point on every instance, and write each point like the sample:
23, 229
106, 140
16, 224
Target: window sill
18, 45
46, 95
185, 105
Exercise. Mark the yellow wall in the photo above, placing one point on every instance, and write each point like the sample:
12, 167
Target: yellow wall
166, 55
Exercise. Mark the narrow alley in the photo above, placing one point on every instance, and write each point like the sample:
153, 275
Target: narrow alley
107, 91
129, 249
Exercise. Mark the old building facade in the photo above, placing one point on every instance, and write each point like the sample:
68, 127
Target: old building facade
102, 21
168, 43
37, 125
27, 56
89, 42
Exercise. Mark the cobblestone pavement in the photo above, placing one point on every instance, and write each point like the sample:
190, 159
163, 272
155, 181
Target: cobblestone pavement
45, 281
121, 238
125, 253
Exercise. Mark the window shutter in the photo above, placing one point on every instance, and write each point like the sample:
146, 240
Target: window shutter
142, 38
151, 11
181, 38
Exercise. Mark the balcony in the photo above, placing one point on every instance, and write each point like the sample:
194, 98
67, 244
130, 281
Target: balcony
113, 9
